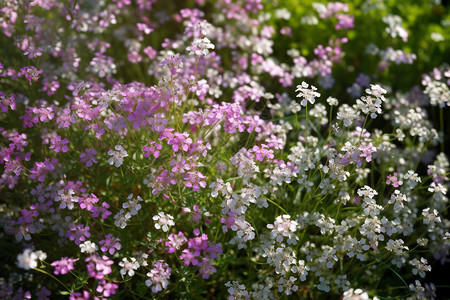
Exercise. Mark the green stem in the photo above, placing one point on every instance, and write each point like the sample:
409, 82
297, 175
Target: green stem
276, 204
441, 117
306, 124
46, 273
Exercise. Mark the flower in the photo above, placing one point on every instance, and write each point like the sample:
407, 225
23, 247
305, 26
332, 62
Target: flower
200, 46
133, 204
58, 145
158, 276
88, 157
98, 266
106, 288
64, 265
88, 247
163, 221
28, 259
117, 156
175, 242
128, 266
308, 94
110, 244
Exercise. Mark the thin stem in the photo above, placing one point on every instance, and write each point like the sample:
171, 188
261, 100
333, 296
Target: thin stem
441, 117
306, 124
362, 129
51, 275
276, 204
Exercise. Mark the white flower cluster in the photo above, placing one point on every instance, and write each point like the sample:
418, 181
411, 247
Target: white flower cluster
88, 247
397, 199
284, 227
28, 259
236, 290
128, 266
129, 209
117, 156
420, 266
395, 27
308, 94
396, 246
200, 46
163, 221
439, 93
371, 104
347, 114
67, 199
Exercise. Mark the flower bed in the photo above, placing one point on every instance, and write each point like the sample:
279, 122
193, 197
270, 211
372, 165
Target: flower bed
223, 149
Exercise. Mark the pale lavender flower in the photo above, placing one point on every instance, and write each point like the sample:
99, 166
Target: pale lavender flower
117, 156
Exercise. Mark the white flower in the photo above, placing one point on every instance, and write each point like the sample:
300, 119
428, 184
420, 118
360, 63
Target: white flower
308, 94
332, 101
418, 290
395, 27
396, 246
420, 267
163, 221
28, 259
346, 114
371, 104
352, 294
397, 199
128, 266
133, 204
284, 227
120, 219
200, 46
236, 290
88, 247
430, 216
67, 199
437, 37
116, 158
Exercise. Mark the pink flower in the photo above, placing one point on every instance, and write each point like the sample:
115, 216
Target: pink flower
106, 288
98, 267
33, 52
58, 145
30, 73
152, 149
195, 180
394, 180
41, 169
366, 152
175, 242
158, 276
80, 296
64, 265
110, 244
79, 233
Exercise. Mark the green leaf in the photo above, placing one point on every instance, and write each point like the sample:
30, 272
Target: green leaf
64, 292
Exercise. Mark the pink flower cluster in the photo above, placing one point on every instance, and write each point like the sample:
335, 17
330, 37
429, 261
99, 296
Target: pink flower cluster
200, 251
